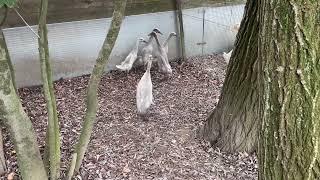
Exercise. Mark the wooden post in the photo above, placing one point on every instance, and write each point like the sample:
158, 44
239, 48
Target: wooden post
181, 30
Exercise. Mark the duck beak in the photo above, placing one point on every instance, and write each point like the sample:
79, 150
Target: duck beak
156, 30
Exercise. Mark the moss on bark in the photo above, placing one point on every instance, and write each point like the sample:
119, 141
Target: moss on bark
290, 58
3, 166
18, 123
233, 125
53, 142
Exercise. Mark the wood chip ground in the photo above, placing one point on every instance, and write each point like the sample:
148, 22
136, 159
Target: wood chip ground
123, 146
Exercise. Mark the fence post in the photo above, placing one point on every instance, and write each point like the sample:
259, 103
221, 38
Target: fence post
181, 30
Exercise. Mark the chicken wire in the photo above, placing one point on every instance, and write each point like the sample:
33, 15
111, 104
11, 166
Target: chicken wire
75, 45
211, 26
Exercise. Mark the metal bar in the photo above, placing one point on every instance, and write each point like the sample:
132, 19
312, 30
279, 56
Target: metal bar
203, 20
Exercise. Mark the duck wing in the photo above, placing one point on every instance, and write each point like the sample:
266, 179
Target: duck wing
126, 65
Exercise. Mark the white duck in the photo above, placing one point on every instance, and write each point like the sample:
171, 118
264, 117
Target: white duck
235, 28
126, 65
226, 56
162, 57
148, 49
165, 44
144, 95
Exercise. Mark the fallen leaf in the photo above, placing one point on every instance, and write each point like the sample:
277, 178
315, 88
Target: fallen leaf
11, 176
126, 169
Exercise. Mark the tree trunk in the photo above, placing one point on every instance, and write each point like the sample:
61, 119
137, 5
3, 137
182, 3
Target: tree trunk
233, 124
53, 141
91, 102
18, 123
289, 49
3, 166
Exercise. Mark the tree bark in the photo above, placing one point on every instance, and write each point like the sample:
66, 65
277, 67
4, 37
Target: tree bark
233, 124
289, 50
91, 102
3, 166
20, 127
53, 133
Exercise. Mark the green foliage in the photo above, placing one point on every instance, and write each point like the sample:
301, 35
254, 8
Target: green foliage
9, 3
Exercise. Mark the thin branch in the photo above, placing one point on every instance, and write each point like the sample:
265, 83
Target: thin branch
72, 166
24, 21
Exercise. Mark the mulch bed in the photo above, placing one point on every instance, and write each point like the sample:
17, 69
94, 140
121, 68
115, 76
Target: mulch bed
123, 146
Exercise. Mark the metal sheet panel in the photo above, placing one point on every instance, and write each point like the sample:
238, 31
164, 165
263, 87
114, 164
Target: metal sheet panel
74, 46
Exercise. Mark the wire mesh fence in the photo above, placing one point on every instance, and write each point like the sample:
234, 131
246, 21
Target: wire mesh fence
209, 27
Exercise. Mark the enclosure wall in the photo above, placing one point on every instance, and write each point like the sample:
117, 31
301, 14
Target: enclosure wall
74, 45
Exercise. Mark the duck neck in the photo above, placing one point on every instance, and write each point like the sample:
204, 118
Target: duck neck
167, 40
150, 40
137, 45
149, 65
157, 40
